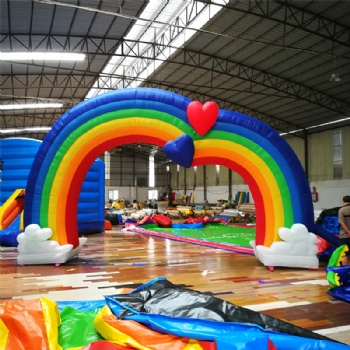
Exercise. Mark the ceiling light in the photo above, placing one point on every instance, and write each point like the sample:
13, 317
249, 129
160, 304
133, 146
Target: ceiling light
13, 131
316, 126
43, 56
335, 77
30, 105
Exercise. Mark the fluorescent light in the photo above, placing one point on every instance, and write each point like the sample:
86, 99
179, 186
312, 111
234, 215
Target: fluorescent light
316, 126
329, 123
37, 128
43, 56
30, 105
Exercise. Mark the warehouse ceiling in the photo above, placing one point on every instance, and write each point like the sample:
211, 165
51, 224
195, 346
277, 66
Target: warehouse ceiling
286, 63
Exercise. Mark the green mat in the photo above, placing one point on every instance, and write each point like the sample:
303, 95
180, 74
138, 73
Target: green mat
220, 233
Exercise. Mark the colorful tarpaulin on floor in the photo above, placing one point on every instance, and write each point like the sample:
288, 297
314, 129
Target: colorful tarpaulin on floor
158, 315
164, 307
29, 324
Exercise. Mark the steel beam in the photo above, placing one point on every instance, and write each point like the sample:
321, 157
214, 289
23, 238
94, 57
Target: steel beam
292, 16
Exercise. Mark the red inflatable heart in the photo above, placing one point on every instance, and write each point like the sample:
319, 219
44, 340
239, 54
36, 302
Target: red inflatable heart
202, 117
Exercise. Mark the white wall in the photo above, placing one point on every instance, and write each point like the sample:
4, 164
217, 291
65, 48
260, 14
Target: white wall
330, 193
214, 193
129, 193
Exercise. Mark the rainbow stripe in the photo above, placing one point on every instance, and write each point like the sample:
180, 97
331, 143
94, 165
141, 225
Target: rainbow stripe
249, 147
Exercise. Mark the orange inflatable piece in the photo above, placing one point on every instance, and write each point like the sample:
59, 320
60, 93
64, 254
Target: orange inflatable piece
29, 324
11, 208
138, 336
108, 225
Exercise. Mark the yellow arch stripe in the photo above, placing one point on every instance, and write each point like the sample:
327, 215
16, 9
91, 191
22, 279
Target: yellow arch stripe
83, 145
260, 172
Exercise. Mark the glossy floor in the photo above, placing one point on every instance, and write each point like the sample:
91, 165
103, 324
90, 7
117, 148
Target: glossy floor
118, 259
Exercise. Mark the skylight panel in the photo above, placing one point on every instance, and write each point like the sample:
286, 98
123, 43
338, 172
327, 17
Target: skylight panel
163, 12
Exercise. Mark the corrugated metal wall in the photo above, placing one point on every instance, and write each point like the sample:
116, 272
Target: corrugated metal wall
346, 152
298, 146
320, 155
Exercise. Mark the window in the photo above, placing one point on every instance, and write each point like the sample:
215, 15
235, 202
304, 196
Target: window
217, 180
151, 173
178, 176
113, 194
337, 155
153, 194
107, 160
195, 176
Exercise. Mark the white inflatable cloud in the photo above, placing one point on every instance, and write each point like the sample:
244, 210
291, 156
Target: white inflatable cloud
34, 247
298, 249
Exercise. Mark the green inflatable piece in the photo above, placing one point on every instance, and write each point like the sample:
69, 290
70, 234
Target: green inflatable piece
77, 328
337, 256
333, 278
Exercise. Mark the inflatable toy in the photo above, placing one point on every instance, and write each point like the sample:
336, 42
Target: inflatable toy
186, 226
146, 219
166, 308
190, 134
180, 151
202, 117
298, 248
29, 324
105, 345
157, 315
162, 220
11, 218
338, 276
18, 156
12, 208
35, 247
8, 237
138, 336
108, 225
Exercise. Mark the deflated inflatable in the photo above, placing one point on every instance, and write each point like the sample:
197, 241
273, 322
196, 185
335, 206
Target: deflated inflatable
164, 307
29, 324
158, 315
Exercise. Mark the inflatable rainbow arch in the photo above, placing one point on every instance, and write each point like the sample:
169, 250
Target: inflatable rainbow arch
249, 147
